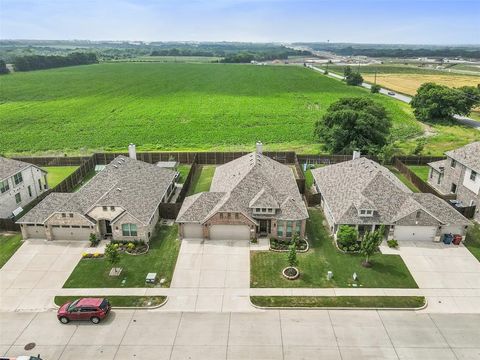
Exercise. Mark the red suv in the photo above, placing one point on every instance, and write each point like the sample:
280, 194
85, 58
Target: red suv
93, 309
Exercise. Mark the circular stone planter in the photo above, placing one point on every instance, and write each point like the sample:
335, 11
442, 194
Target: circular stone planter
291, 273
147, 247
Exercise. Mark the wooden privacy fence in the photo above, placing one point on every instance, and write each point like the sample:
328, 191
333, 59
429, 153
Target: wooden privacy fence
9, 225
328, 159
54, 161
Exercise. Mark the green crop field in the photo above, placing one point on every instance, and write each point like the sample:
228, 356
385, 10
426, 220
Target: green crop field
174, 107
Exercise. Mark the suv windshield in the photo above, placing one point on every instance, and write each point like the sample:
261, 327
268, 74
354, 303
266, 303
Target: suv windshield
72, 305
104, 304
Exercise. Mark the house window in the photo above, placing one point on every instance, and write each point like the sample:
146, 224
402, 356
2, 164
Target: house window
417, 215
105, 208
473, 175
71, 215
453, 163
236, 216
289, 228
439, 179
298, 229
264, 210
40, 184
64, 215
453, 189
129, 229
4, 186
46, 182
112, 208
221, 215
18, 198
17, 178
431, 173
229, 216
257, 210
362, 212
280, 229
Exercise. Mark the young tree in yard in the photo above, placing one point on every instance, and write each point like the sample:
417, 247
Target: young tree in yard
370, 244
354, 124
292, 256
347, 71
435, 102
112, 255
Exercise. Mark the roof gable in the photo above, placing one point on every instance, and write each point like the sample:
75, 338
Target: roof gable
468, 155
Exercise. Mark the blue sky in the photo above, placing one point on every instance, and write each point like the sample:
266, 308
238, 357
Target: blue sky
371, 21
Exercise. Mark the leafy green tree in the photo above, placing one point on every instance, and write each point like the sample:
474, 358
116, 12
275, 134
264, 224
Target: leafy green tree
354, 124
375, 89
347, 236
292, 256
419, 146
435, 102
3, 67
354, 79
347, 71
370, 244
112, 255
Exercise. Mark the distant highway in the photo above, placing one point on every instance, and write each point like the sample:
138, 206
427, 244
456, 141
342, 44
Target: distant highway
406, 99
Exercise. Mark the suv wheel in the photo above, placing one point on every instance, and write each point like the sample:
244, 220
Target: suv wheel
64, 320
95, 320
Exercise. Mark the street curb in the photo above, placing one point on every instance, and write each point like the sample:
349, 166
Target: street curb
424, 306
55, 306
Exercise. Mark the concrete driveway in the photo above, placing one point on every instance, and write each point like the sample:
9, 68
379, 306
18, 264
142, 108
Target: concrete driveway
32, 276
211, 275
448, 274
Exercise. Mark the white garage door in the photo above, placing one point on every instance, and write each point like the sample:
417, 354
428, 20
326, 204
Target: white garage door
415, 233
71, 233
230, 232
35, 232
453, 229
192, 231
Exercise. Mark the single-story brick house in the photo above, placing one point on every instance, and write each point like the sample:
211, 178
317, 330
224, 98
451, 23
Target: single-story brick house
249, 197
121, 202
364, 194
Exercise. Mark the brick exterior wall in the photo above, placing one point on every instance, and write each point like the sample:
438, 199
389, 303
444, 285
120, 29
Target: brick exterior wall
455, 175
143, 232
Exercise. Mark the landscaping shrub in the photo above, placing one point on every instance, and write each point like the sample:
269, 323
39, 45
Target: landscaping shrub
392, 243
347, 236
94, 240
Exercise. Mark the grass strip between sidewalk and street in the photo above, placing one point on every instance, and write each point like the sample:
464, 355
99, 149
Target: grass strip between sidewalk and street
118, 301
401, 302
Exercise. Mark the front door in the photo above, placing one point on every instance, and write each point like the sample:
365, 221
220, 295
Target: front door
108, 227
264, 227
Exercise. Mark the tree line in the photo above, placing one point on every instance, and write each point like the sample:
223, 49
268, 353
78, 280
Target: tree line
38, 62
409, 53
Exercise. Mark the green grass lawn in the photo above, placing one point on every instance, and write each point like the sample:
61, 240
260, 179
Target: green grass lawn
118, 301
183, 169
174, 107
202, 179
309, 176
161, 258
388, 271
404, 302
403, 179
420, 170
8, 245
85, 180
472, 241
56, 174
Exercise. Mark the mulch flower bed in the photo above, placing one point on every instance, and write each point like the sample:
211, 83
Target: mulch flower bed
283, 245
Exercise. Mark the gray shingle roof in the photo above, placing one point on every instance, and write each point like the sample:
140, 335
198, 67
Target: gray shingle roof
251, 180
438, 165
134, 185
9, 167
53, 202
468, 155
364, 184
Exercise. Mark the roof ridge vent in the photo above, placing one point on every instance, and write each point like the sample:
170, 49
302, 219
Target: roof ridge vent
115, 166
119, 189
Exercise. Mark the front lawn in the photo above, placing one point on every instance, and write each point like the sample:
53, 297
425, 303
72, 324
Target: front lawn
403, 302
56, 174
8, 245
472, 240
118, 301
388, 271
202, 179
161, 258
420, 170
